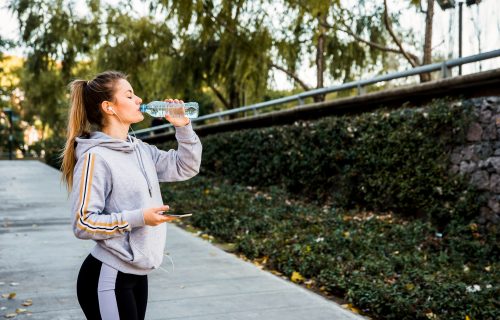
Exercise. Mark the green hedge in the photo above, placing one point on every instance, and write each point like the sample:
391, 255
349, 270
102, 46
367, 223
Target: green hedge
384, 161
388, 267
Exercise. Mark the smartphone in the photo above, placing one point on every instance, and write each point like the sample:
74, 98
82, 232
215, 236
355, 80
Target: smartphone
176, 215
179, 215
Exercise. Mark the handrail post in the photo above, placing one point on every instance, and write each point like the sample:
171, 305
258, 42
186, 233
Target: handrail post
445, 71
361, 89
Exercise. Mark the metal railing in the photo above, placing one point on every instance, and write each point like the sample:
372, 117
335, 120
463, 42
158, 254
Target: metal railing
445, 68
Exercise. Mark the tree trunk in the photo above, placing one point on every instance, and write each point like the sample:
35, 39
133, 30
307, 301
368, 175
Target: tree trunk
234, 98
219, 95
427, 58
320, 57
42, 138
42, 141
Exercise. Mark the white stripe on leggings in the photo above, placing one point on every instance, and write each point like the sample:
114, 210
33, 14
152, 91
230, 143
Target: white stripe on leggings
106, 293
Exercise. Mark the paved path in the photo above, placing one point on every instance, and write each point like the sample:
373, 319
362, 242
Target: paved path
39, 252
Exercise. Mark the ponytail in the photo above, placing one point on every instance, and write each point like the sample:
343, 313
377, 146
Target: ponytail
77, 126
85, 115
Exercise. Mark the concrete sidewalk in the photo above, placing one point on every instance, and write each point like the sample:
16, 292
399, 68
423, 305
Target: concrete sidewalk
40, 259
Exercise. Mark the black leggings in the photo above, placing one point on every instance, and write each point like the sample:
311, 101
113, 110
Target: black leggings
107, 294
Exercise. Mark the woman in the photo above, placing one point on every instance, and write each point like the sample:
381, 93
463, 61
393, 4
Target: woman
113, 181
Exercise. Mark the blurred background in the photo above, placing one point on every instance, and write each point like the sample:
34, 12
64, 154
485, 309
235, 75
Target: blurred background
223, 54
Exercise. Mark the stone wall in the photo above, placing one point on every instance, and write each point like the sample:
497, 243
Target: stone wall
479, 159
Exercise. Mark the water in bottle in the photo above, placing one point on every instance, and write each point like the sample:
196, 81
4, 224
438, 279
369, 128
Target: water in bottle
160, 109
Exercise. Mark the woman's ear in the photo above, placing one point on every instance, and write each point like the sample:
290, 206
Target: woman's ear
107, 107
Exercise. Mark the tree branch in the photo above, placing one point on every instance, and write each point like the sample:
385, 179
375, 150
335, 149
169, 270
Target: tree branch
218, 94
370, 43
422, 8
292, 75
411, 58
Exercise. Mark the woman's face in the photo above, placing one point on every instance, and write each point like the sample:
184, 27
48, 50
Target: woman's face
126, 103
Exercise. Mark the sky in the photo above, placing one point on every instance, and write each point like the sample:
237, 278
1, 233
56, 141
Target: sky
445, 34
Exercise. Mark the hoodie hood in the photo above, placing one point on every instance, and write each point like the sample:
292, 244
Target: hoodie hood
98, 138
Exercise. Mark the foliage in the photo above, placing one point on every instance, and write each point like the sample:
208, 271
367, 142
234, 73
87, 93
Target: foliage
341, 57
139, 47
218, 53
388, 267
143, 48
227, 49
384, 161
52, 148
55, 37
5, 131
8, 83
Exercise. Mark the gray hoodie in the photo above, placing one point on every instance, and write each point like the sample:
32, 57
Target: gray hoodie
113, 182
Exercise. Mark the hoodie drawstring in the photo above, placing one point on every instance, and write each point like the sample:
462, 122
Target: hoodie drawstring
141, 164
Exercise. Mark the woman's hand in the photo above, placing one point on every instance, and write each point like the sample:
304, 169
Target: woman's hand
179, 118
153, 216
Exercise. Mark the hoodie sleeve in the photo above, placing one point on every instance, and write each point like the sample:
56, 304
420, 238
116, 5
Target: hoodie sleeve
180, 164
91, 186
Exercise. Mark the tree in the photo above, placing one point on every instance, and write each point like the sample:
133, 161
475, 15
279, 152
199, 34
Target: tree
359, 25
307, 30
5, 88
8, 83
139, 47
54, 37
143, 47
223, 46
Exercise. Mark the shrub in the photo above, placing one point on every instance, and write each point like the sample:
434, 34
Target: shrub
387, 266
383, 161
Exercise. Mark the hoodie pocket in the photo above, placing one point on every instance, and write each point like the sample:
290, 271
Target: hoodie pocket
120, 247
142, 257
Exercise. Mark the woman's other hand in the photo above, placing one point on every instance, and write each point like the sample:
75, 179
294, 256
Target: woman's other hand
176, 114
153, 216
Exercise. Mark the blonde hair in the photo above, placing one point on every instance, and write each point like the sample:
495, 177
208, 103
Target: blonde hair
85, 115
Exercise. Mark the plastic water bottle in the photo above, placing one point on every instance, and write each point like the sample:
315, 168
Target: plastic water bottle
160, 109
